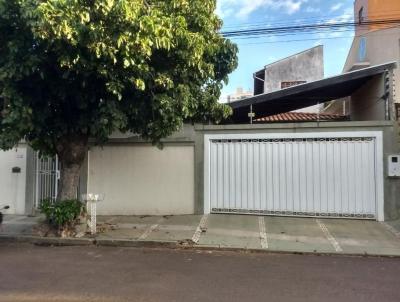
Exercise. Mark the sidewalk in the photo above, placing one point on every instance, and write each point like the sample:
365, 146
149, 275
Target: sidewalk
277, 234
19, 224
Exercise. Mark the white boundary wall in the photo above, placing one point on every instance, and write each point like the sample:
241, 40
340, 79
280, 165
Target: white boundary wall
13, 185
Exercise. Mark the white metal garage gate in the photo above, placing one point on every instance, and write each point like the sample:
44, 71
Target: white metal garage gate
309, 174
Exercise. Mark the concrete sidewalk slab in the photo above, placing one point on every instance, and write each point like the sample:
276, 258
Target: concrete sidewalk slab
363, 237
232, 231
19, 224
24, 229
134, 220
296, 234
223, 231
126, 227
175, 228
123, 233
394, 227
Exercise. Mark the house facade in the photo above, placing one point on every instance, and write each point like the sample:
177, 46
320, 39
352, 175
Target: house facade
335, 164
322, 168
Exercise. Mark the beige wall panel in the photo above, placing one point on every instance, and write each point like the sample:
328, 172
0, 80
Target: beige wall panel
143, 180
366, 104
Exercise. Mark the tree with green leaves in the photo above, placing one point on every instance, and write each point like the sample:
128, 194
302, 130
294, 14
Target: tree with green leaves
72, 71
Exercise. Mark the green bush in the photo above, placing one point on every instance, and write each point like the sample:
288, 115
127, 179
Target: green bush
62, 214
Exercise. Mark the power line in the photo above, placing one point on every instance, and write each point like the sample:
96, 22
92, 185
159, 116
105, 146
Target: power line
306, 28
292, 34
320, 19
313, 39
284, 22
298, 40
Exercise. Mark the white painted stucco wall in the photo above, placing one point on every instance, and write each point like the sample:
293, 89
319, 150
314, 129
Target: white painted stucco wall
13, 185
305, 66
140, 179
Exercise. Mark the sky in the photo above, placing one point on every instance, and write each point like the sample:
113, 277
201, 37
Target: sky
255, 53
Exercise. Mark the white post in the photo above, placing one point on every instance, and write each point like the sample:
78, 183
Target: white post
57, 177
37, 166
91, 206
92, 210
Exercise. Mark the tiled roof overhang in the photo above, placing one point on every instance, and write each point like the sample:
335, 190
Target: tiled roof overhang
300, 117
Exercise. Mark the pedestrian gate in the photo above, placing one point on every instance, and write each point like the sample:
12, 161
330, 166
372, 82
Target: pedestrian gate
328, 175
47, 176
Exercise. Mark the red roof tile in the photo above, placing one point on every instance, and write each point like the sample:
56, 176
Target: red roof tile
300, 117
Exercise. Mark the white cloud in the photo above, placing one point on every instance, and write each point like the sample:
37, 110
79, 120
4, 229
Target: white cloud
336, 7
347, 16
311, 9
244, 8
225, 7
317, 43
225, 13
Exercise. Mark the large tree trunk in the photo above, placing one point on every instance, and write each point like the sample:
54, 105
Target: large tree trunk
71, 151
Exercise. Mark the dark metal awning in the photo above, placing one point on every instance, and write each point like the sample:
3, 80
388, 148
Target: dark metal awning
307, 94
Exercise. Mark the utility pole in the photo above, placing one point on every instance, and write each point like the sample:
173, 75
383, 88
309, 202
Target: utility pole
251, 114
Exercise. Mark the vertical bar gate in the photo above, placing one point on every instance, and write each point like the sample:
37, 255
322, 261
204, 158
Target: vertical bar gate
295, 176
47, 177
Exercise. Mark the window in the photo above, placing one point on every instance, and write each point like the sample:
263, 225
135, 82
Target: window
361, 15
291, 83
397, 108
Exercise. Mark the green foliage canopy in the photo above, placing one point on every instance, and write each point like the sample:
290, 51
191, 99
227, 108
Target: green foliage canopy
86, 68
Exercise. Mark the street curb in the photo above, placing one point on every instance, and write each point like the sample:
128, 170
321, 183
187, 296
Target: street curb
47, 241
136, 243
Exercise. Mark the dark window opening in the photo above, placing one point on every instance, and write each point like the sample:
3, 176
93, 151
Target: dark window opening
259, 79
291, 83
361, 15
397, 108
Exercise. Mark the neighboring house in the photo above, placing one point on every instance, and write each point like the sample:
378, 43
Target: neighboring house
306, 66
239, 95
372, 45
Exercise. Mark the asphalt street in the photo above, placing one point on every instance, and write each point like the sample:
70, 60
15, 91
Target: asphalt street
32, 273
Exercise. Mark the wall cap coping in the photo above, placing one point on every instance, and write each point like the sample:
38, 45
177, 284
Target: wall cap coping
319, 125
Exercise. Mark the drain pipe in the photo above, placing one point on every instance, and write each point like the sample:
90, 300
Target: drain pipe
386, 96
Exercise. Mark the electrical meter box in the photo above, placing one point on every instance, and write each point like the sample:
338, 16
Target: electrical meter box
394, 165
